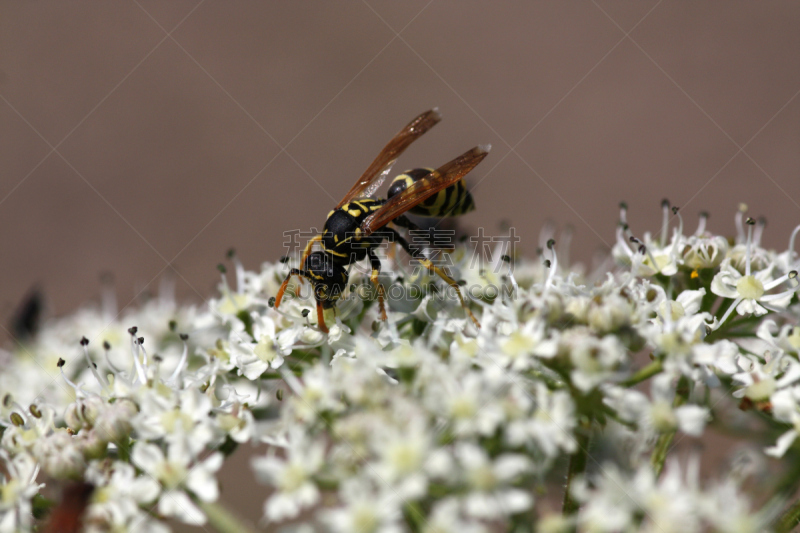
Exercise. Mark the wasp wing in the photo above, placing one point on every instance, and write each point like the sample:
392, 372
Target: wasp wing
373, 177
442, 177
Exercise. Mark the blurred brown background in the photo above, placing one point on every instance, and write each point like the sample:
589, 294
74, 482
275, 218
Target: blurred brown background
143, 138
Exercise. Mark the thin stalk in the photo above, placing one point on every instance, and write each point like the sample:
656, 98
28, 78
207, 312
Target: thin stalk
577, 466
789, 519
414, 516
612, 414
222, 519
277, 375
664, 442
643, 373
660, 453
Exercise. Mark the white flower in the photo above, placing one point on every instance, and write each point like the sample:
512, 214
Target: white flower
17, 487
178, 472
704, 251
749, 291
265, 350
786, 408
366, 509
490, 482
118, 495
652, 255
403, 451
549, 424
292, 477
594, 360
525, 342
663, 417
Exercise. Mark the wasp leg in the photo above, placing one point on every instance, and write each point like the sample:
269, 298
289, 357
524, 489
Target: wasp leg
321, 318
376, 269
293, 272
307, 251
435, 269
302, 274
429, 234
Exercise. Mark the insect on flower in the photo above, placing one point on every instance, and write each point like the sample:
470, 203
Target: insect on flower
359, 223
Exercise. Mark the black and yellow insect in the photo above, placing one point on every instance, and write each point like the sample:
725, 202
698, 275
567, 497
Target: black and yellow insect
449, 202
359, 223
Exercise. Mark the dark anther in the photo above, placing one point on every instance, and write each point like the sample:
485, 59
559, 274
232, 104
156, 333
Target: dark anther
551, 243
284, 259
141, 340
222, 268
61, 362
750, 221
17, 419
172, 325
184, 336
106, 345
305, 312
271, 302
675, 210
506, 258
84, 341
133, 330
547, 263
664, 203
231, 253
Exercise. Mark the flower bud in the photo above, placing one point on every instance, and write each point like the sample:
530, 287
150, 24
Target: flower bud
114, 424
59, 455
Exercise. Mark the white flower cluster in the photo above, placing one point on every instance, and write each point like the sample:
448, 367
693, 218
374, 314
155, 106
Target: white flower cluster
426, 422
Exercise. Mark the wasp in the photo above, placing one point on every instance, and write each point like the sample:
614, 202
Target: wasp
359, 222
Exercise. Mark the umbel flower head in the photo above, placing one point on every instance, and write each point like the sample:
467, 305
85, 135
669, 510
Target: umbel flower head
424, 422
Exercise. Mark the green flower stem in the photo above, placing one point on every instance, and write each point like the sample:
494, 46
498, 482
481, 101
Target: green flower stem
612, 414
414, 516
222, 519
660, 453
124, 449
787, 485
789, 519
644, 373
278, 375
664, 442
577, 466
724, 331
552, 381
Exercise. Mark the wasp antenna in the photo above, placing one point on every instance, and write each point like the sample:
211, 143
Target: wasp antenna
485, 148
437, 115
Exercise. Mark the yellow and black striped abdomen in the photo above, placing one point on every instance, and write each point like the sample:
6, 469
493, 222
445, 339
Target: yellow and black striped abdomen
449, 202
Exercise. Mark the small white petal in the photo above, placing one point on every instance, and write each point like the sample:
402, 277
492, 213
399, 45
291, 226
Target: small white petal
784, 441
